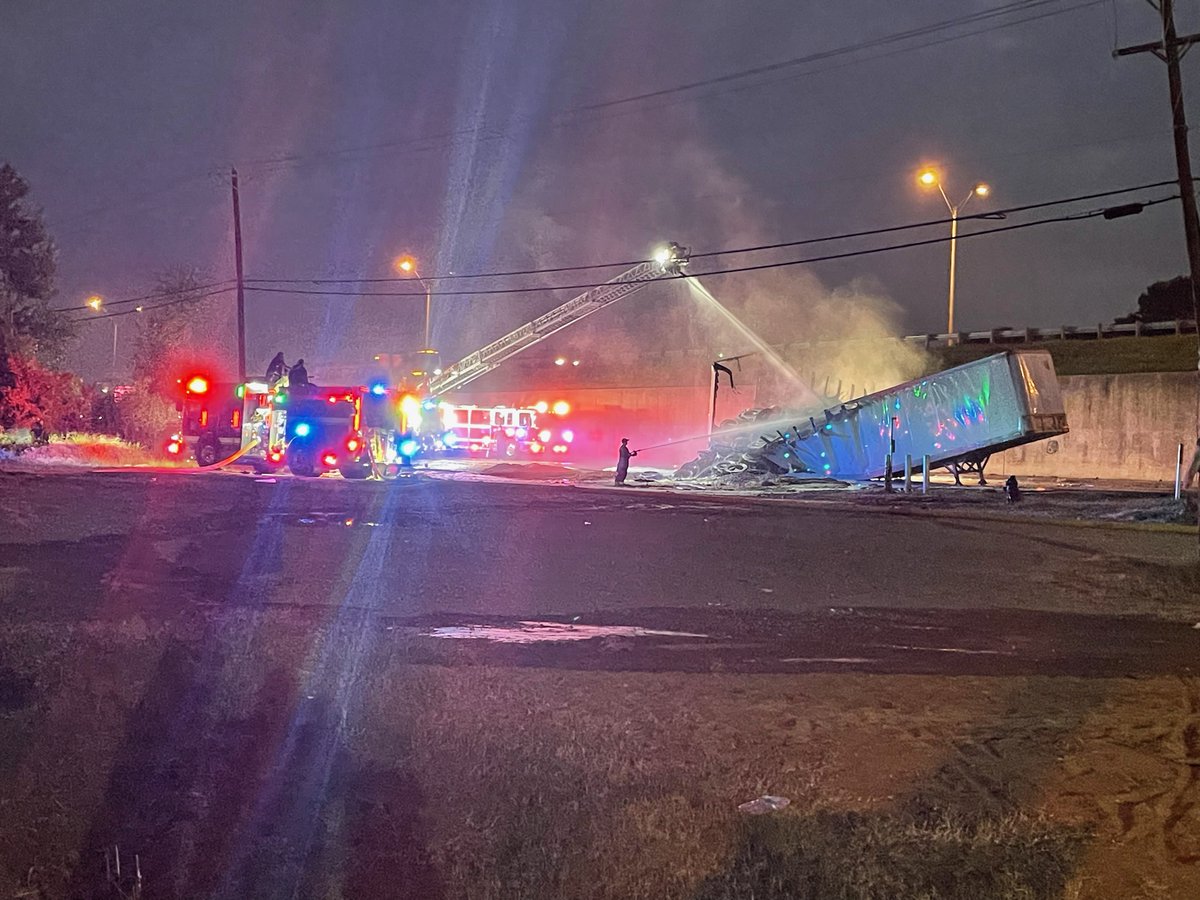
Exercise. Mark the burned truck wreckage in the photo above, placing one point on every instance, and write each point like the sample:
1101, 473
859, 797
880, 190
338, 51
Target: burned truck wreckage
957, 418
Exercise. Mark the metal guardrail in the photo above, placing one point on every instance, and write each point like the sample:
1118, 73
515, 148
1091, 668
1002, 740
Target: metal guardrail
1062, 333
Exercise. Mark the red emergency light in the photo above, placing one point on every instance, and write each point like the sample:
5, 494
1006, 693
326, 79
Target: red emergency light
329, 459
197, 384
173, 447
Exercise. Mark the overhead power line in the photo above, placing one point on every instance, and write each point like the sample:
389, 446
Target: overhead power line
897, 37
1128, 209
137, 311
217, 288
732, 81
147, 298
625, 264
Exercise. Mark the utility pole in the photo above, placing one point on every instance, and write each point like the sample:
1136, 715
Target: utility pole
241, 285
1170, 50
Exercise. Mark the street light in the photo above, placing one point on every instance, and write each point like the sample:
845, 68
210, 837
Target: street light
930, 178
406, 265
96, 304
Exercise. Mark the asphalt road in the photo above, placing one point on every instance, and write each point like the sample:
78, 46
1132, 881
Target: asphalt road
755, 585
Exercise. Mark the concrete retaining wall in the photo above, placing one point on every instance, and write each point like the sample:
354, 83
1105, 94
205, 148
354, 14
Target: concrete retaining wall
1122, 426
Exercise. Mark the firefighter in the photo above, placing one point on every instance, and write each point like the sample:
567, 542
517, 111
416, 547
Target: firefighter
276, 368
298, 375
1012, 490
623, 455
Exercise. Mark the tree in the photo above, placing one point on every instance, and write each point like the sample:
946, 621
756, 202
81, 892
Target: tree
1164, 301
27, 267
146, 417
165, 336
33, 396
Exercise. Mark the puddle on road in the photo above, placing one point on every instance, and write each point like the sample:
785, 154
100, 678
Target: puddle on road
966, 650
344, 520
844, 660
539, 632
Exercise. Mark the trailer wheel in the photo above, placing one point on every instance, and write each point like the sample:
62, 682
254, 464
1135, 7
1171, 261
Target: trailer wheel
207, 453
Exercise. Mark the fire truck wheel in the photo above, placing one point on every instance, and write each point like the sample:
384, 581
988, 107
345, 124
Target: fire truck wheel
206, 452
302, 465
356, 470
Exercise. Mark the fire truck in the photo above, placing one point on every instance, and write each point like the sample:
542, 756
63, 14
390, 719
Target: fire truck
311, 428
503, 431
323, 430
512, 431
217, 419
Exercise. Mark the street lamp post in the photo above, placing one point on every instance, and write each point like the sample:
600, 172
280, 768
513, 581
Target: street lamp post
96, 304
408, 266
930, 178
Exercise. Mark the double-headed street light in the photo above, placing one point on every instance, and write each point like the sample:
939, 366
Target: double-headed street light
406, 265
930, 178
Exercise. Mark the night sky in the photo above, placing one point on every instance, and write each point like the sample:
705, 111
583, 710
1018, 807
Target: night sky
454, 130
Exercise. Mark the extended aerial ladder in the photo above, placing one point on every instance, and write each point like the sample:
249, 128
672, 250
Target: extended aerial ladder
668, 261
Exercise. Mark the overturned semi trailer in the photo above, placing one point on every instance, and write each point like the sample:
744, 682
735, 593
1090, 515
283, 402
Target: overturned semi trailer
957, 417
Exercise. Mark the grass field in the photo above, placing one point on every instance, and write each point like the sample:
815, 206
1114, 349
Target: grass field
1169, 353
238, 753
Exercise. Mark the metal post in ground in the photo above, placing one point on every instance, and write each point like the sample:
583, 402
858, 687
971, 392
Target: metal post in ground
1178, 471
908, 473
925, 474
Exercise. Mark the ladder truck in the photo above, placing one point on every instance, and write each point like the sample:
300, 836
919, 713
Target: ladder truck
439, 424
668, 261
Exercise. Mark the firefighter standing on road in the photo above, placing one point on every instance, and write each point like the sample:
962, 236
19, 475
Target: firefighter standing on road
623, 455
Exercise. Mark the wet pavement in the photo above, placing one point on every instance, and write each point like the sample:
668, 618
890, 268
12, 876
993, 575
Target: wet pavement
542, 574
